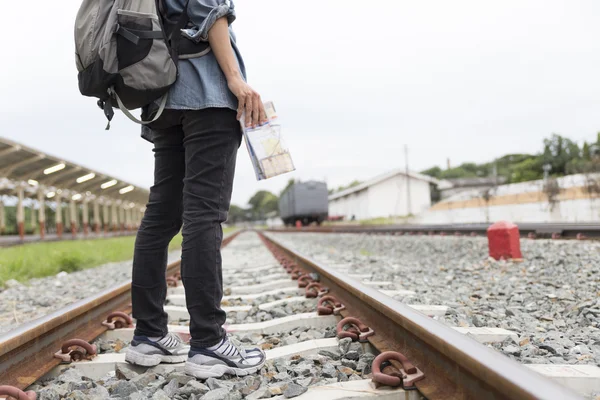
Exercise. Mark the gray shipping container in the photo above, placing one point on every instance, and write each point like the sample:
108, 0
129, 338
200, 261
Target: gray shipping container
304, 201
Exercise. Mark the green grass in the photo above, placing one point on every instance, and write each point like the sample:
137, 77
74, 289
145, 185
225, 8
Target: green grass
37, 260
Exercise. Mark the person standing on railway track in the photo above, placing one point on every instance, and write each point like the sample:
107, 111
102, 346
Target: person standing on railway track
195, 146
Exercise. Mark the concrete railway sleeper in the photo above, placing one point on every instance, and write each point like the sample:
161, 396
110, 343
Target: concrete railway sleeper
326, 336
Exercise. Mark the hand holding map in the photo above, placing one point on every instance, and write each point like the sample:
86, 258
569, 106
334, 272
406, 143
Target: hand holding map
269, 154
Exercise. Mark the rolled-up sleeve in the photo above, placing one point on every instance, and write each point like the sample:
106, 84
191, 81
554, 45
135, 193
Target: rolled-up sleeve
204, 13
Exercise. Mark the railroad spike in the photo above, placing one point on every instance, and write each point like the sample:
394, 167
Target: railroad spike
172, 282
315, 289
328, 305
122, 321
390, 376
304, 280
354, 329
83, 350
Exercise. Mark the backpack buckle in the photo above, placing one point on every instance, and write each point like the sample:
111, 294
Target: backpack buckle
106, 106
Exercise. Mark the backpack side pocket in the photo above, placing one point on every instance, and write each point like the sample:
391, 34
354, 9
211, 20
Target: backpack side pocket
145, 65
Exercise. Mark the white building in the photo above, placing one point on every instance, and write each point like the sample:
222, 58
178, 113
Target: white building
384, 196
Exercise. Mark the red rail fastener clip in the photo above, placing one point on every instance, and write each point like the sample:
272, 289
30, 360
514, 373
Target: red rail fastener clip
171, 281
354, 329
297, 273
407, 376
328, 305
123, 321
581, 236
531, 235
16, 393
556, 235
315, 289
83, 350
304, 280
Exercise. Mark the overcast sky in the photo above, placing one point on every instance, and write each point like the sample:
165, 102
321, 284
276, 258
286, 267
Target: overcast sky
353, 81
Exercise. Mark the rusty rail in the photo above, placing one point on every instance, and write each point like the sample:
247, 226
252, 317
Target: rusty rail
531, 230
27, 352
456, 366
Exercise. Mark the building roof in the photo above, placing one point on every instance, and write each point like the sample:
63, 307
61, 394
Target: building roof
21, 164
381, 178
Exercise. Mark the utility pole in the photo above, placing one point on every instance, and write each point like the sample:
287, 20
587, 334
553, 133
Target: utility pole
547, 168
495, 173
408, 202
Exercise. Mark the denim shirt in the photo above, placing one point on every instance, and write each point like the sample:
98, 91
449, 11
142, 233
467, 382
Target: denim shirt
201, 82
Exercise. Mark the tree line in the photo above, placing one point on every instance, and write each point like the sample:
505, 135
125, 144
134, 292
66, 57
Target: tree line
261, 205
563, 155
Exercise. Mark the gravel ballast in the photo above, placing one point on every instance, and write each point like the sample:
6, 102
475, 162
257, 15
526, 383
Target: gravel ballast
20, 303
289, 376
550, 299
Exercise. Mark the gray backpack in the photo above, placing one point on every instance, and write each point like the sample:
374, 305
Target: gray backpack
127, 53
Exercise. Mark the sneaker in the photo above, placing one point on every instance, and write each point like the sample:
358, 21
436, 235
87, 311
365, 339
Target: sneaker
148, 352
226, 357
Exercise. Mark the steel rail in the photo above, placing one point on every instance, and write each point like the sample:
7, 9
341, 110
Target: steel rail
456, 366
27, 352
566, 230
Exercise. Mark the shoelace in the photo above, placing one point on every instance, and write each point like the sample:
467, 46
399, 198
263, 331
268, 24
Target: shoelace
237, 345
239, 348
172, 340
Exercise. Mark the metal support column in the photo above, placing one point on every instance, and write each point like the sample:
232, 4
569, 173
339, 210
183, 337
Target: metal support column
20, 211
42, 212
32, 219
97, 222
85, 218
129, 219
114, 220
58, 216
122, 218
67, 216
73, 217
105, 216
2, 216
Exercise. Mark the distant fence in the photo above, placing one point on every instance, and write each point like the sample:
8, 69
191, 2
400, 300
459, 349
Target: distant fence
573, 198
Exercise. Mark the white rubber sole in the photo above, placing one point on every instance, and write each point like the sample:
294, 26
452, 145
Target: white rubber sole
150, 360
217, 371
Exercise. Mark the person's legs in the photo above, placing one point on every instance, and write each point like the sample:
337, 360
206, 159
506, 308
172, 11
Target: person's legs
211, 139
161, 221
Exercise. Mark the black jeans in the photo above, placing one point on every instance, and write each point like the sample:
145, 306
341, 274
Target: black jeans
195, 153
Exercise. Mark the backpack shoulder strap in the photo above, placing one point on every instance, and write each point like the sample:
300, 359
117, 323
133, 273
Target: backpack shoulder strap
128, 114
175, 37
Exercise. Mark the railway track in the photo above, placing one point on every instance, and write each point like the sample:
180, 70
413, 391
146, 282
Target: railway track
311, 353
531, 230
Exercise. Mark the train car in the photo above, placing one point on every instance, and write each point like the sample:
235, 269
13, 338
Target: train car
306, 202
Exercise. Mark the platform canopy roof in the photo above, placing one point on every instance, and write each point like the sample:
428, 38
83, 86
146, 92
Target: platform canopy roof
22, 165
